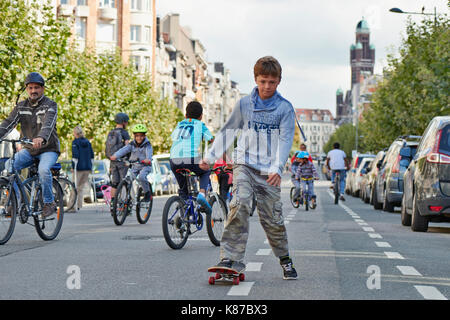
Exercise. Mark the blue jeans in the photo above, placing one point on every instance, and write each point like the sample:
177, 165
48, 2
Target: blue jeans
308, 185
46, 160
343, 176
141, 175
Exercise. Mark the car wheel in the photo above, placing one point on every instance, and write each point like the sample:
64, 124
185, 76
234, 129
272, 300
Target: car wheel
418, 222
376, 205
406, 218
387, 206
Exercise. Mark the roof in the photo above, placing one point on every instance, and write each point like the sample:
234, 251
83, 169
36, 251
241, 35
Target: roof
362, 26
359, 45
307, 114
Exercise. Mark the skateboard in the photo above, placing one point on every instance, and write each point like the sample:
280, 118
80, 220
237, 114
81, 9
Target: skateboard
226, 275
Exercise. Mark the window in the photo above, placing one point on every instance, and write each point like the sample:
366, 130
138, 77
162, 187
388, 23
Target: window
147, 65
81, 2
135, 34
136, 5
80, 28
136, 60
107, 4
106, 32
147, 34
64, 2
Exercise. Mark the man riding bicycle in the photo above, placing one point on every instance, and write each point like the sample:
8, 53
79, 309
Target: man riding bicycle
37, 118
337, 161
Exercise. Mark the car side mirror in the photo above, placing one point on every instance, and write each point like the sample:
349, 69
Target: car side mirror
379, 165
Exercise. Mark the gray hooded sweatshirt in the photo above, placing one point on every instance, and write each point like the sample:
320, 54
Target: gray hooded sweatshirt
266, 132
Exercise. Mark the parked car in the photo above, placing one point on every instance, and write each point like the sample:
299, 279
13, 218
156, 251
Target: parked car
360, 173
349, 182
369, 174
99, 177
155, 178
426, 196
389, 181
169, 182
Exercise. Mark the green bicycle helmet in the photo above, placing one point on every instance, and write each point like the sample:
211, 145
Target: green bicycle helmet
139, 128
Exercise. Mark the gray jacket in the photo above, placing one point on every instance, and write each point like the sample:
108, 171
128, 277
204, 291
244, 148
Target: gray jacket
137, 153
37, 120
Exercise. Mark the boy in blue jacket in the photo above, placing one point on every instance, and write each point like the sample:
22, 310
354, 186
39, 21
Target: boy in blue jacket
140, 150
267, 122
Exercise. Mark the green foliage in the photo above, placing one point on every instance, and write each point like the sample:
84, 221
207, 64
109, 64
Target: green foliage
88, 89
415, 88
345, 135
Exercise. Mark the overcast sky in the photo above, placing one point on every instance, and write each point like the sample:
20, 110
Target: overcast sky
311, 39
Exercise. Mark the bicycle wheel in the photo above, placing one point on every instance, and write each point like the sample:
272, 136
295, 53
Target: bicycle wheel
49, 227
143, 209
295, 204
215, 222
121, 205
70, 193
175, 227
8, 211
306, 202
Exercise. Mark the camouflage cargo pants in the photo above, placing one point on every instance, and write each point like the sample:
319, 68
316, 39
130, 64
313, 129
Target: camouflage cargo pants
234, 240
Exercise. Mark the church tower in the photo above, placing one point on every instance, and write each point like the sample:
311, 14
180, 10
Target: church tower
362, 54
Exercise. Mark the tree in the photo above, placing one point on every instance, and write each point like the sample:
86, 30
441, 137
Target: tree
345, 135
415, 88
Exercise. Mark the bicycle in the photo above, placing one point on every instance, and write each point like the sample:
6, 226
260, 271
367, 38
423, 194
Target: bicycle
306, 196
70, 192
129, 197
179, 215
23, 198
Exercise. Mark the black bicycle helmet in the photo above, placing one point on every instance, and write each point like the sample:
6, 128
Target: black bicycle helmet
34, 77
121, 118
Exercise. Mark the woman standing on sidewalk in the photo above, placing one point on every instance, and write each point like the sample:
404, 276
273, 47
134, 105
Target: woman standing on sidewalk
82, 156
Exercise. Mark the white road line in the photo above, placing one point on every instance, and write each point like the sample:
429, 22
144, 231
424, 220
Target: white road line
393, 255
363, 223
430, 293
286, 222
375, 236
383, 244
359, 220
243, 289
266, 241
253, 266
263, 252
368, 229
408, 271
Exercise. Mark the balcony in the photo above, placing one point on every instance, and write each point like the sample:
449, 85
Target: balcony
107, 13
82, 11
65, 10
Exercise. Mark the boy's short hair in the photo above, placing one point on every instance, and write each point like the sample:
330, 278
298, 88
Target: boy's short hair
194, 110
267, 66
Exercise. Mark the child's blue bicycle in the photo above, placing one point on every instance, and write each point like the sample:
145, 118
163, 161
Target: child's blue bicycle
307, 197
181, 216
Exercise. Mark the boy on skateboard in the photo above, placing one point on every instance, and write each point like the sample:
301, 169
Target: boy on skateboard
267, 123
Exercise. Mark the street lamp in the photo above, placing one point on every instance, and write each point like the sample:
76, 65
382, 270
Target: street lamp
397, 10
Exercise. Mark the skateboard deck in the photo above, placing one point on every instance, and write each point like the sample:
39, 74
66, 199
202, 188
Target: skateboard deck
226, 275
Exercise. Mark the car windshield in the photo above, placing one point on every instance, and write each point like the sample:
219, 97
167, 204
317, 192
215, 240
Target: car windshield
99, 167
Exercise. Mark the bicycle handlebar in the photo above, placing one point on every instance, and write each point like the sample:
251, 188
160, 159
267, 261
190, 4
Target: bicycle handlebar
21, 140
128, 163
224, 169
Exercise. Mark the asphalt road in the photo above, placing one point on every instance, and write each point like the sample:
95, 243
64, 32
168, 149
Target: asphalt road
341, 252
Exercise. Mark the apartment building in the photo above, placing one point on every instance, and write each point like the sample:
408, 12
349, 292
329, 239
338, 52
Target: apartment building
104, 25
318, 125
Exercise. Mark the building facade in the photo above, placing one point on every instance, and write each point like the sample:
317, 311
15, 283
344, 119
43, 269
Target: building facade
318, 125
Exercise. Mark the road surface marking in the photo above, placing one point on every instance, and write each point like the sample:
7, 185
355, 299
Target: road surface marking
430, 293
368, 229
286, 222
253, 266
243, 289
263, 252
363, 223
383, 244
408, 271
393, 255
375, 236
359, 220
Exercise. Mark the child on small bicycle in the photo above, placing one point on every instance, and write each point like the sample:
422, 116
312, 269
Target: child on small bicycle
307, 173
184, 153
141, 153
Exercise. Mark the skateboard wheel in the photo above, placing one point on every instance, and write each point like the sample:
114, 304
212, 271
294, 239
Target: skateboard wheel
242, 277
236, 280
218, 276
212, 280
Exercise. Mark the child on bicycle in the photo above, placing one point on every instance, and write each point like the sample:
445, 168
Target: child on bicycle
306, 172
141, 152
184, 153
